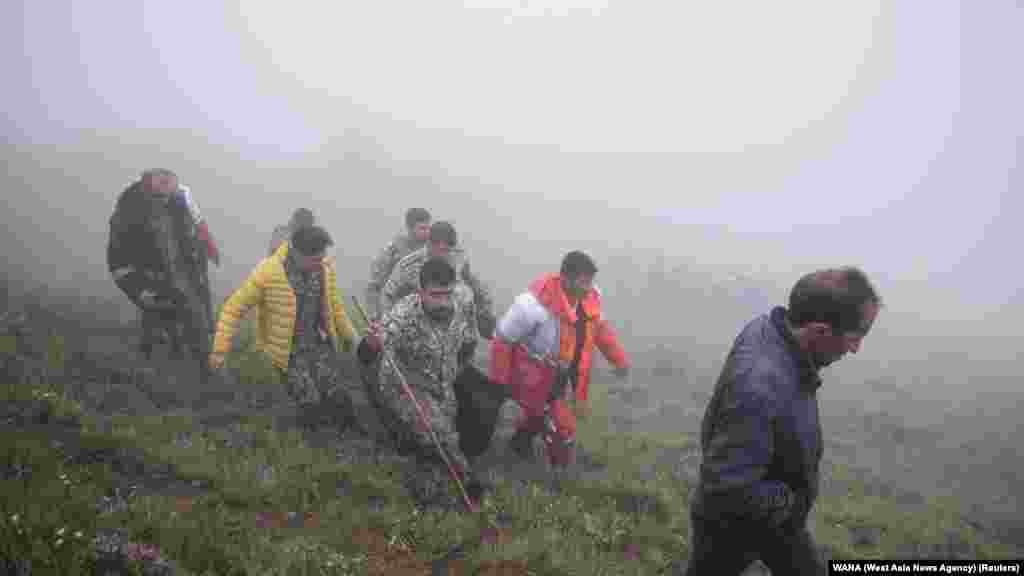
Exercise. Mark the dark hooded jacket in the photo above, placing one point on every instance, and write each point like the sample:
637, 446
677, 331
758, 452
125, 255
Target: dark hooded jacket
761, 437
135, 254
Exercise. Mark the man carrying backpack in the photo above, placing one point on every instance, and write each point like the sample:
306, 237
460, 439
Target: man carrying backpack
157, 256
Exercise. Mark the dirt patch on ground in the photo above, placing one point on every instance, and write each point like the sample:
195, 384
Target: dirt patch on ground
387, 558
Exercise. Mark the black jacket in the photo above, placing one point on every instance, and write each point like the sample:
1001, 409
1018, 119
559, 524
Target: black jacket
133, 254
761, 437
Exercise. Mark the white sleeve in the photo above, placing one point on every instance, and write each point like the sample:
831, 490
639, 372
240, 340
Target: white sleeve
520, 319
193, 208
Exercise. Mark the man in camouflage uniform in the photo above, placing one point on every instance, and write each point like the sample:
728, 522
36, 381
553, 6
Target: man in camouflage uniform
417, 231
471, 293
429, 337
312, 376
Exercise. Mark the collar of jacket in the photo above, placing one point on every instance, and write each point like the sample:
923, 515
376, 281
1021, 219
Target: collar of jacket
810, 379
548, 291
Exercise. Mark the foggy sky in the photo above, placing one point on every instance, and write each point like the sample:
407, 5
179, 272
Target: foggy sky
760, 138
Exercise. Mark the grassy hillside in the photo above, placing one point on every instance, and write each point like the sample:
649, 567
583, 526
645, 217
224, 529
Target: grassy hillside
230, 488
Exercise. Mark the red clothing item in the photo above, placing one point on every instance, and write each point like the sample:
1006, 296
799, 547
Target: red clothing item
597, 333
211, 246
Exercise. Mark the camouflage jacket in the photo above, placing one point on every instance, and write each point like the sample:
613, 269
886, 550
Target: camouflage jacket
419, 345
380, 270
405, 279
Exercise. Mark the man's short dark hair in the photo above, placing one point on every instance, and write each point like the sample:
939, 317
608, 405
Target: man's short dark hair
154, 172
414, 216
148, 175
835, 296
302, 217
311, 240
443, 231
576, 264
437, 271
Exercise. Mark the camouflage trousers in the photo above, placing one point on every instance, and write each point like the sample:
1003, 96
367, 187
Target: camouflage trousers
424, 472
312, 382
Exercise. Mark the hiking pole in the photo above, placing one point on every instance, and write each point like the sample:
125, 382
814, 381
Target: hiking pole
419, 410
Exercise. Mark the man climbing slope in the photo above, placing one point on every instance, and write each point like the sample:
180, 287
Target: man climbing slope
469, 290
430, 338
302, 323
157, 253
543, 349
417, 232
761, 442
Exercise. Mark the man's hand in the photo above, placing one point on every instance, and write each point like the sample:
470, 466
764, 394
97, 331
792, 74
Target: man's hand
582, 408
216, 361
147, 299
798, 510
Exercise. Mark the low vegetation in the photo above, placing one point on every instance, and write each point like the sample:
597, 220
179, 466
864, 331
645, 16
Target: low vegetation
166, 494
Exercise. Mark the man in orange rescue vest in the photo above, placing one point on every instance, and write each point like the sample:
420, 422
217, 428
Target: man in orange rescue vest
543, 350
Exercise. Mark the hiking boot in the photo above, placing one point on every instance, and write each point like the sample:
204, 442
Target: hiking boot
205, 374
477, 490
560, 451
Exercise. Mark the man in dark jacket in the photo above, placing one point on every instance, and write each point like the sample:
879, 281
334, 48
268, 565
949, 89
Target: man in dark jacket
761, 440
157, 257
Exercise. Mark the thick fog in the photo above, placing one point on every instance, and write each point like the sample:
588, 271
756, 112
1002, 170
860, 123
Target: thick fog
706, 154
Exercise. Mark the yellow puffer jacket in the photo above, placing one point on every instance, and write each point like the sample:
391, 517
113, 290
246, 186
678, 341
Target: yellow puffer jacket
268, 289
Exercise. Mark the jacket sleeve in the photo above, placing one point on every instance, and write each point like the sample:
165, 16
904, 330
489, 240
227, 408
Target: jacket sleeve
739, 450
211, 245
389, 294
607, 341
122, 261
342, 323
513, 327
249, 295
518, 322
382, 265
380, 271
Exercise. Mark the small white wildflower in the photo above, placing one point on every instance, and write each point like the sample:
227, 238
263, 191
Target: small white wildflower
14, 518
60, 541
78, 533
60, 532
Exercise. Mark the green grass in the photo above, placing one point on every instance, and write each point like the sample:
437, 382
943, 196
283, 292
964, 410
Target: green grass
585, 530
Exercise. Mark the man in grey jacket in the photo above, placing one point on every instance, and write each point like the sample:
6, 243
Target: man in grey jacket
761, 439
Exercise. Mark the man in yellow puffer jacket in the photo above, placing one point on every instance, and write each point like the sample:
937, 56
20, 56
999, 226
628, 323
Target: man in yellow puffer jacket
302, 322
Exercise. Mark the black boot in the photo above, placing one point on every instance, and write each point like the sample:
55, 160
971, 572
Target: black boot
206, 374
521, 443
477, 489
